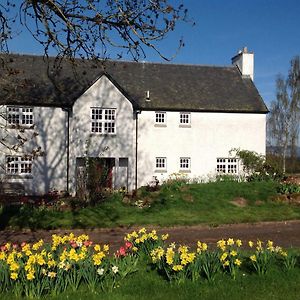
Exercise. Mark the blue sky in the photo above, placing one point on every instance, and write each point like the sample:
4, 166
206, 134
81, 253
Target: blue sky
269, 28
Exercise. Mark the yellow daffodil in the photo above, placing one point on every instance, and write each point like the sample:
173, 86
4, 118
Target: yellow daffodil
230, 242
164, 236
177, 268
14, 276
253, 257
239, 243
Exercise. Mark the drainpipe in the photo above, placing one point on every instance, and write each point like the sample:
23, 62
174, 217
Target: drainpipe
137, 112
67, 110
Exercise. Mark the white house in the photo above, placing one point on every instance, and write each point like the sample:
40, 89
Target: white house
144, 120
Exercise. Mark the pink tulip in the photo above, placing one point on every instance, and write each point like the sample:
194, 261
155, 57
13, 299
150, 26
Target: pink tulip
128, 245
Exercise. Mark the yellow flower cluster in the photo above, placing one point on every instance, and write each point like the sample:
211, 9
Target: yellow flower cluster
201, 247
230, 255
269, 248
156, 254
176, 260
62, 240
141, 236
35, 259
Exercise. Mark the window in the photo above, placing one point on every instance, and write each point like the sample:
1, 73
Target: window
185, 119
160, 118
161, 164
227, 165
185, 163
19, 116
103, 120
18, 165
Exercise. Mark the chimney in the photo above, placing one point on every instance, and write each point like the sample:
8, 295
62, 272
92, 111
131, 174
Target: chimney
244, 60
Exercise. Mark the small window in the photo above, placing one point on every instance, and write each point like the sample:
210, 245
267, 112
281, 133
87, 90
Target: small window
160, 118
103, 120
18, 165
227, 165
19, 116
161, 163
185, 119
185, 163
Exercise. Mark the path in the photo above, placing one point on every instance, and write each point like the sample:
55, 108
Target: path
285, 234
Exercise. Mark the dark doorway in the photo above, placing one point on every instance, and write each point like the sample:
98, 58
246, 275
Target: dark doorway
93, 174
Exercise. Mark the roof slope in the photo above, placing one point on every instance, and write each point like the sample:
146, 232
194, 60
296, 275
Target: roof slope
30, 80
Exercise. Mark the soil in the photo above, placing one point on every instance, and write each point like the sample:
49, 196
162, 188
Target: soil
285, 234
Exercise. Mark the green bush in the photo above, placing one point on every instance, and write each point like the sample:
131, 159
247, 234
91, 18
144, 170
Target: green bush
258, 167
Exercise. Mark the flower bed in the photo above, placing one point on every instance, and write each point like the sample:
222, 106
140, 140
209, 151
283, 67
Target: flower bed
38, 269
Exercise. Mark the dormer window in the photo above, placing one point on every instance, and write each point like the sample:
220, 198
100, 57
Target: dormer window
19, 116
185, 119
103, 120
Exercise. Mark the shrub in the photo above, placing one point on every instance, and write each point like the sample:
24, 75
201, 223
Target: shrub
257, 167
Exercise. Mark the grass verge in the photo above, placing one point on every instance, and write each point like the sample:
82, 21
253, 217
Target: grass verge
173, 204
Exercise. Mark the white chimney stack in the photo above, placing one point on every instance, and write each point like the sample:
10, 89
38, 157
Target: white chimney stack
244, 60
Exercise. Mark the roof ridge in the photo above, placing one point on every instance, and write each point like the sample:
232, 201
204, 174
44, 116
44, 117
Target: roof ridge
128, 61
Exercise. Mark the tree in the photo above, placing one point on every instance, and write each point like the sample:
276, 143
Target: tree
283, 121
91, 28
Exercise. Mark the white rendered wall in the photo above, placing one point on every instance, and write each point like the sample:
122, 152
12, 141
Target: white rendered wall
48, 170
121, 145
211, 135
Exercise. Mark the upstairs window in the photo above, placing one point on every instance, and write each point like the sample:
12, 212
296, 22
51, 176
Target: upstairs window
103, 120
185, 163
185, 119
160, 118
227, 165
18, 165
20, 116
161, 164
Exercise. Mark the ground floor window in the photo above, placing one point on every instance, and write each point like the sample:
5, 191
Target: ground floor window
227, 165
18, 165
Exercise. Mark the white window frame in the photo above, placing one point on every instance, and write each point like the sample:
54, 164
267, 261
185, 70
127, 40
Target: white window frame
161, 164
19, 116
18, 165
185, 164
103, 120
160, 118
185, 119
226, 165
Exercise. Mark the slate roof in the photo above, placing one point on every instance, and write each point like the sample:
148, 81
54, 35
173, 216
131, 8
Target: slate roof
30, 80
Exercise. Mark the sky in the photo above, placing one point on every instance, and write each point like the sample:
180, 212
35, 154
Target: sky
269, 28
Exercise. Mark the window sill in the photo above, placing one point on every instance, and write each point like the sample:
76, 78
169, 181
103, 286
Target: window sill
20, 127
103, 134
160, 171
184, 126
184, 171
17, 176
160, 125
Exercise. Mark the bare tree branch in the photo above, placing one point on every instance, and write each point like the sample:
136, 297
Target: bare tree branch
90, 28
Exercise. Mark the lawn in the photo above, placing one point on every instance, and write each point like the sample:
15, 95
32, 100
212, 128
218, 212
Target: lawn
173, 204
146, 284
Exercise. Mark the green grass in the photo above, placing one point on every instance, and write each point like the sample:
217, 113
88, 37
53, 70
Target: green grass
173, 204
147, 284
